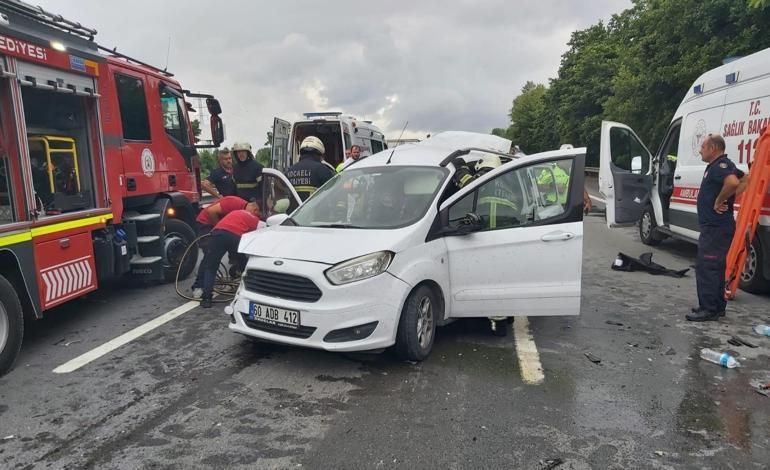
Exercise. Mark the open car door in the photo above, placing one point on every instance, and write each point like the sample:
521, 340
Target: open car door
278, 195
625, 176
514, 238
280, 153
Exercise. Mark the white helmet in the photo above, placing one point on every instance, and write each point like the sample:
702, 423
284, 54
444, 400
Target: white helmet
489, 161
241, 146
313, 143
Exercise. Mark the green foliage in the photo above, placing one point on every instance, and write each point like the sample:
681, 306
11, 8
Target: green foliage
208, 161
263, 156
196, 128
635, 69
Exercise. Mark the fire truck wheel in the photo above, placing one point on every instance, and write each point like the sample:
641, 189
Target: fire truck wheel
176, 239
11, 325
753, 279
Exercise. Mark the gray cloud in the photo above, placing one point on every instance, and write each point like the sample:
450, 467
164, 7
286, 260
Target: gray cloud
439, 65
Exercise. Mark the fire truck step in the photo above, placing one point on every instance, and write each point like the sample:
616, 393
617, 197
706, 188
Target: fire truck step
136, 259
147, 239
142, 217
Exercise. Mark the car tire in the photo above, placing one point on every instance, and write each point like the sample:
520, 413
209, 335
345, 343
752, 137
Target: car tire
752, 278
177, 236
648, 228
417, 325
11, 325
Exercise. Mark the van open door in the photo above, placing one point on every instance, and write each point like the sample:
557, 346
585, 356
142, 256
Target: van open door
279, 158
625, 176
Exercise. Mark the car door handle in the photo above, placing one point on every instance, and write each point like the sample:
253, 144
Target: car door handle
552, 237
678, 177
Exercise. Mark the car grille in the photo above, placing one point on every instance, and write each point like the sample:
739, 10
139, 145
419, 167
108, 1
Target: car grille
280, 285
300, 332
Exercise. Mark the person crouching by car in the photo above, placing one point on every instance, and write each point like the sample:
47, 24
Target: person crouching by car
225, 238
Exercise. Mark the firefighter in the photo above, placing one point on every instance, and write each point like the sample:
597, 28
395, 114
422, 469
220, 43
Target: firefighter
225, 239
247, 173
309, 173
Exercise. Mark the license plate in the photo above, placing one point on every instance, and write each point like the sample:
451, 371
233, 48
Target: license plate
273, 315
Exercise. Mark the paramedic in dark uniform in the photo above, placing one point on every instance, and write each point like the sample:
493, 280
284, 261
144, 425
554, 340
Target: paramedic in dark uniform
225, 238
220, 183
717, 226
309, 173
247, 173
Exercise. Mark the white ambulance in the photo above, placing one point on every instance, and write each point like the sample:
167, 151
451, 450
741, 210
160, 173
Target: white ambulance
659, 191
337, 131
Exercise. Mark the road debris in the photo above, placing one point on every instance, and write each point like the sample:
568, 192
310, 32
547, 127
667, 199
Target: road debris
660, 453
592, 358
614, 323
744, 342
670, 352
623, 262
549, 464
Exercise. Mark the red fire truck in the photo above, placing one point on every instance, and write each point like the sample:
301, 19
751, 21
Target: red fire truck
98, 167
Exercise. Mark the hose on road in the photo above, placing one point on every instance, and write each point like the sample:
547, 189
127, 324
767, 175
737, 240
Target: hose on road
224, 285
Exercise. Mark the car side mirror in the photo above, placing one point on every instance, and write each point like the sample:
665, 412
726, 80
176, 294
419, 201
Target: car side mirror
470, 223
636, 165
276, 219
217, 130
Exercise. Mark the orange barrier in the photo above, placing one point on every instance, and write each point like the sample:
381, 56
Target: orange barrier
748, 215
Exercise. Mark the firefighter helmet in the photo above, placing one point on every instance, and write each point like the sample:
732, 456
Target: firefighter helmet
313, 143
238, 146
488, 162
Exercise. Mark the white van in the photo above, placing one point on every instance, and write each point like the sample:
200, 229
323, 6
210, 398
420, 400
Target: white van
337, 131
659, 192
390, 248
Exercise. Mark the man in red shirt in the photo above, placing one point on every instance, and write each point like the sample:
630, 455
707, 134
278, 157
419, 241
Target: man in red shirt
225, 239
207, 218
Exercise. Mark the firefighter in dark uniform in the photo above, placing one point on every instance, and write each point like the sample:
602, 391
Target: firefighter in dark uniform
247, 173
717, 226
309, 173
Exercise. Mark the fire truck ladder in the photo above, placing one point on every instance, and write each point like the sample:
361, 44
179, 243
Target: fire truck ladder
51, 19
748, 215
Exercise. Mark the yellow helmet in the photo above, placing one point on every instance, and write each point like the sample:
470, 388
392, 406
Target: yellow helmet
314, 143
241, 146
489, 161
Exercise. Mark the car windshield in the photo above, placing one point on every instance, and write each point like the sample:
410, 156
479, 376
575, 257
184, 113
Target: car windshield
372, 198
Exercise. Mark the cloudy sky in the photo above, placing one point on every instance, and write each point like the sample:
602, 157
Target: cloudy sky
441, 65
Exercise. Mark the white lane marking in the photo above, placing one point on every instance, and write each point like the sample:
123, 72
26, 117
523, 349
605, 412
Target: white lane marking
127, 337
597, 199
526, 349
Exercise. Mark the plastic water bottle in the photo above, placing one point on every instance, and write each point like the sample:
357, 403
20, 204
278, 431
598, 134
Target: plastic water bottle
762, 330
723, 359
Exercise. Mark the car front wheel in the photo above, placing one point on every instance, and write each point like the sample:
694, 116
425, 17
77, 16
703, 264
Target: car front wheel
417, 326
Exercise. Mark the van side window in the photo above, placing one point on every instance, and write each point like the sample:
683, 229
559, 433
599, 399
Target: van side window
376, 146
624, 146
173, 116
518, 198
133, 107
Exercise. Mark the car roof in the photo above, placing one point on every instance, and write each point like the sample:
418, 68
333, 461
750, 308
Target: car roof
432, 151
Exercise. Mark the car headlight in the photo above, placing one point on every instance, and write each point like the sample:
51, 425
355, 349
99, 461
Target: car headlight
359, 268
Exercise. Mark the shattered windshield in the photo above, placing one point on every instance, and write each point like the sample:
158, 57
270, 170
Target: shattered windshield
372, 198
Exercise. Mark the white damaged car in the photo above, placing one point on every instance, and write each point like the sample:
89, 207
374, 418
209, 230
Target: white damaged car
390, 248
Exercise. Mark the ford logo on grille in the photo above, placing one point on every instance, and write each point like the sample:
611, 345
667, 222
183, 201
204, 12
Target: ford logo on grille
278, 263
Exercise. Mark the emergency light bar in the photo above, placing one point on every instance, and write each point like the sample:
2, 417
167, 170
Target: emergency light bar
323, 114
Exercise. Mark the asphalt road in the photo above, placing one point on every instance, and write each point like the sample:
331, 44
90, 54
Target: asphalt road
190, 394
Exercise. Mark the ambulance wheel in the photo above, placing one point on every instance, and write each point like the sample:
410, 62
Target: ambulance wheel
501, 328
176, 238
648, 228
417, 326
753, 279
11, 325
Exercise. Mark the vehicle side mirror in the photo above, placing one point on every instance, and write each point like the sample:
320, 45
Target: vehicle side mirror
217, 130
470, 223
213, 106
276, 219
636, 165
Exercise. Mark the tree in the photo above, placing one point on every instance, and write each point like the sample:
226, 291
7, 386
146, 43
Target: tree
265, 155
208, 161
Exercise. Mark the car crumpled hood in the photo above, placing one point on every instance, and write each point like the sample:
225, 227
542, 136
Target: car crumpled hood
321, 245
